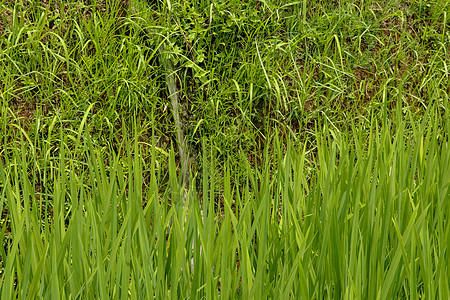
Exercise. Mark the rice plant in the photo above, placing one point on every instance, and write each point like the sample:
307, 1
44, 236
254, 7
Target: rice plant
317, 136
369, 221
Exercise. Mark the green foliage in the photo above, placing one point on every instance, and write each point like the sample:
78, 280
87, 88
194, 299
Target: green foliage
369, 221
318, 133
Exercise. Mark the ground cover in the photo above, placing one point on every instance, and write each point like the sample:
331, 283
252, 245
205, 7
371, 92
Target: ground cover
317, 134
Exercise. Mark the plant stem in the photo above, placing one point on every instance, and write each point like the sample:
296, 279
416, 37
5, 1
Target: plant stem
174, 100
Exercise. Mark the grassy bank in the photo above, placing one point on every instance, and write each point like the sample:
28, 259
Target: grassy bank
317, 134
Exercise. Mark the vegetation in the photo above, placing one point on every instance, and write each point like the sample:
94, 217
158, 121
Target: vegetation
317, 134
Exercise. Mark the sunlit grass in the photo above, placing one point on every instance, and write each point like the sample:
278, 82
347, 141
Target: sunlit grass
318, 141
368, 222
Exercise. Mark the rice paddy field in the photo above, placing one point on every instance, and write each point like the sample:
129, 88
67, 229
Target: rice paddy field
224, 149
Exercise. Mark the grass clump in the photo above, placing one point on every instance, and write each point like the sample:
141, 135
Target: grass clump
317, 136
368, 221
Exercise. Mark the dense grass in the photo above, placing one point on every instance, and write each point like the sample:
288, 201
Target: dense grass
318, 141
369, 222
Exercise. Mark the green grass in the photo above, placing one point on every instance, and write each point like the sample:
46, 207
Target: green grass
318, 135
370, 221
